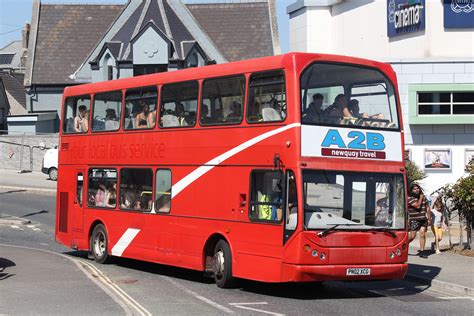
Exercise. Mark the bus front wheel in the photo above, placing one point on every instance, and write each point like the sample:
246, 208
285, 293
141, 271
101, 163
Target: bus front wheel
223, 265
99, 243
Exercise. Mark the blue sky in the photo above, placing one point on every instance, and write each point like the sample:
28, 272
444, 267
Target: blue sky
14, 14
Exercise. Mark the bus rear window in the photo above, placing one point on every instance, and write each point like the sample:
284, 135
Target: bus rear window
337, 94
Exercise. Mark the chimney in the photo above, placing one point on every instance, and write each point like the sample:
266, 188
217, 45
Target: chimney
25, 35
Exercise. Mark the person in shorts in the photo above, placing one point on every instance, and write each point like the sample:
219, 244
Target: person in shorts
437, 224
419, 215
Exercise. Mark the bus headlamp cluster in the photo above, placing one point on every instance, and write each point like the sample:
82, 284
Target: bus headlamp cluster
397, 252
315, 253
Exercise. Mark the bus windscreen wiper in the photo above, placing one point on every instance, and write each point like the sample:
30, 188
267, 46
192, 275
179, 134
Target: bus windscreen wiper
384, 230
332, 228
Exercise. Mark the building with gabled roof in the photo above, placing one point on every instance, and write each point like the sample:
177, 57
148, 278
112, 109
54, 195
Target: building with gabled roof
79, 43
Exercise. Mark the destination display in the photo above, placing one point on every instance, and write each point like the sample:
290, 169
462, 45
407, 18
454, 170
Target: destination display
340, 142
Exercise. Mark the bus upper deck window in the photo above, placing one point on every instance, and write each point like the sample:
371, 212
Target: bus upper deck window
107, 109
179, 104
140, 108
76, 114
222, 101
267, 97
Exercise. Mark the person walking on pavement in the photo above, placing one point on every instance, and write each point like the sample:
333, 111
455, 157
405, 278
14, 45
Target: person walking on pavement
437, 224
419, 215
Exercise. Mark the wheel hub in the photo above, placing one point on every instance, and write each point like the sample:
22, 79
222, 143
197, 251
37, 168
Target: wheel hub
219, 263
99, 245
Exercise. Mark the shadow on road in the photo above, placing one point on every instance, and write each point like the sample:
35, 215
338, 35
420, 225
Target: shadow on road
5, 263
35, 213
12, 191
302, 291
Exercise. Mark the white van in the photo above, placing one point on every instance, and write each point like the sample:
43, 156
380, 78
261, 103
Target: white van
50, 163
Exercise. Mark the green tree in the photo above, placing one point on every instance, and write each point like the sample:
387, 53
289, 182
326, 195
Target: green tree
413, 172
461, 197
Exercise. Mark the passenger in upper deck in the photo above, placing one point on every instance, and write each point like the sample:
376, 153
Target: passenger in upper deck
236, 112
313, 112
79, 118
179, 111
337, 111
85, 121
151, 119
142, 117
205, 119
354, 111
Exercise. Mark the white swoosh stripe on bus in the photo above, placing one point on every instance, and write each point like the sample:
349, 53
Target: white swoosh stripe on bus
124, 241
196, 174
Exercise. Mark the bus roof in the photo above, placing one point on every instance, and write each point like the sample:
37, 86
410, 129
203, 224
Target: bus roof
218, 70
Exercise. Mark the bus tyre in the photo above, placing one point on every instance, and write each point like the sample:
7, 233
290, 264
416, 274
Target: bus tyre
99, 243
53, 174
223, 265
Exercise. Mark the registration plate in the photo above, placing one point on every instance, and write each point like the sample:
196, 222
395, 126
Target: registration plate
358, 271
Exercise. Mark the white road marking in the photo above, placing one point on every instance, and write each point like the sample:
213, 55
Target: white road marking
30, 226
245, 306
199, 297
16, 227
35, 229
124, 241
456, 298
119, 295
200, 171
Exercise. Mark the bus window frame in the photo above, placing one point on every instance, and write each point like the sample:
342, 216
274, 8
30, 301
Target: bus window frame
64, 109
250, 202
122, 118
247, 101
244, 103
348, 88
158, 120
119, 189
93, 108
155, 176
87, 192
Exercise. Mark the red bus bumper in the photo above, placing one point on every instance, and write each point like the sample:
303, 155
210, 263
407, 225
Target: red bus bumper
308, 273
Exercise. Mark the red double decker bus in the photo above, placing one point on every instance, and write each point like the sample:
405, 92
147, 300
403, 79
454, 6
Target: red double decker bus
280, 169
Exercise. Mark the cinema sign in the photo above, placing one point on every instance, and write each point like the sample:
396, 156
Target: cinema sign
405, 16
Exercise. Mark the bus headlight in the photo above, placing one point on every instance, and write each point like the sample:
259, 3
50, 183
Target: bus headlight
392, 255
314, 253
322, 256
398, 252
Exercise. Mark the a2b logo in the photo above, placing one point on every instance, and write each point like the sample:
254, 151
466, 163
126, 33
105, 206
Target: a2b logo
357, 140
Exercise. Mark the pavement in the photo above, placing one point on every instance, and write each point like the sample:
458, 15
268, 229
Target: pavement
30, 181
452, 272
40, 282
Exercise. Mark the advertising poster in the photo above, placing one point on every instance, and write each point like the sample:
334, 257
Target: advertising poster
437, 159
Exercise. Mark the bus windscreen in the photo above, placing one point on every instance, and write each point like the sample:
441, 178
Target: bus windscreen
353, 200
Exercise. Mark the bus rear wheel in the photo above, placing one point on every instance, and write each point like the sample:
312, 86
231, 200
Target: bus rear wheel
99, 244
223, 265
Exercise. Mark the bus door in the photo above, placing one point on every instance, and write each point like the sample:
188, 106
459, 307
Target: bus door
290, 205
77, 206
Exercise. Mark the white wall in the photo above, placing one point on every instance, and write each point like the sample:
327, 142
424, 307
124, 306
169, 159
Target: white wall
438, 178
359, 28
